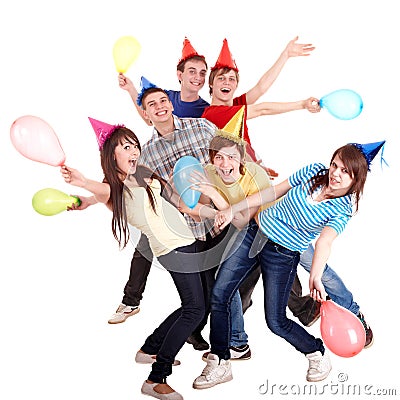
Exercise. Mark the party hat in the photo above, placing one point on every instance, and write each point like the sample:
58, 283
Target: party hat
370, 150
233, 130
188, 51
102, 130
225, 59
144, 85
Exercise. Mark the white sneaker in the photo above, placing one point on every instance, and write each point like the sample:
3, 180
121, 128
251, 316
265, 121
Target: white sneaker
216, 371
319, 367
148, 389
123, 313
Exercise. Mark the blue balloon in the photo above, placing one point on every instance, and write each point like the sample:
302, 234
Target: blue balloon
182, 174
343, 104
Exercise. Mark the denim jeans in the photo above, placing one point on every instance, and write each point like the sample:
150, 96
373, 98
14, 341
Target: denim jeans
219, 248
278, 269
232, 272
333, 284
171, 334
140, 268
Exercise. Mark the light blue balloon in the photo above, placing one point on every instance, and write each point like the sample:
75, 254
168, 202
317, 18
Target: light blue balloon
182, 174
343, 104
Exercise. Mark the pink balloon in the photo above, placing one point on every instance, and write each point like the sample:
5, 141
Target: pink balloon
36, 140
342, 332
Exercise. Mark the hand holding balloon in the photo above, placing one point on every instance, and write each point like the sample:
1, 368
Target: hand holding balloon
52, 201
125, 83
73, 176
344, 104
312, 105
201, 183
35, 139
84, 203
317, 289
342, 332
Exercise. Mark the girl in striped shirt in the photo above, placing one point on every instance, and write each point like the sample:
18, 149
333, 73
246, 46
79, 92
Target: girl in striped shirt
316, 203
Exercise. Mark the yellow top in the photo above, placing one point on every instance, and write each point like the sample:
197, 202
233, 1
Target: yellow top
254, 179
166, 229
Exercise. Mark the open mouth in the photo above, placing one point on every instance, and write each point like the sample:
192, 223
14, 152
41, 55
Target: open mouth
225, 90
226, 172
334, 181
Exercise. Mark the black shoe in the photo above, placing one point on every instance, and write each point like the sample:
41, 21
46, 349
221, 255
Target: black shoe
369, 336
310, 312
198, 342
237, 353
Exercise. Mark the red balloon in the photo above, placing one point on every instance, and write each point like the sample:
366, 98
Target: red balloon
342, 332
36, 140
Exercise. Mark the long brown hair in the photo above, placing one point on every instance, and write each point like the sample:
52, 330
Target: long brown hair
112, 176
356, 165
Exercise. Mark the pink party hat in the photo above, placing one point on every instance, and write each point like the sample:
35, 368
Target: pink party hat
225, 59
102, 130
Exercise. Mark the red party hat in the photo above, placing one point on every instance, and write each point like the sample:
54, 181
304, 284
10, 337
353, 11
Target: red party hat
102, 130
225, 59
188, 51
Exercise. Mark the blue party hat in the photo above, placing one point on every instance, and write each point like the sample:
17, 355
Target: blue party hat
145, 84
370, 150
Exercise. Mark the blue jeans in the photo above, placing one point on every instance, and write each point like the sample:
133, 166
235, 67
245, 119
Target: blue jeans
278, 267
238, 334
333, 284
219, 248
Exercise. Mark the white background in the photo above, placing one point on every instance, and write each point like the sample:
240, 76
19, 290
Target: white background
63, 276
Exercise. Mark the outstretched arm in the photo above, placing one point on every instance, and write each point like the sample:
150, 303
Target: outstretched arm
292, 49
272, 108
100, 190
321, 254
208, 190
224, 217
126, 84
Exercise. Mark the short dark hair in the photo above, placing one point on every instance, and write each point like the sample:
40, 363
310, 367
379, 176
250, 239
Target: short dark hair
150, 91
181, 65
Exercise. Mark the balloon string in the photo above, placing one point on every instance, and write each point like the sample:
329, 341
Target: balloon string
382, 159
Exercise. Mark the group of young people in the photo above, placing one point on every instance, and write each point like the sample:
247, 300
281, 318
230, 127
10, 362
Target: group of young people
243, 227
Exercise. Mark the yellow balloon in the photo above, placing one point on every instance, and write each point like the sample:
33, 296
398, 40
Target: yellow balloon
126, 50
52, 201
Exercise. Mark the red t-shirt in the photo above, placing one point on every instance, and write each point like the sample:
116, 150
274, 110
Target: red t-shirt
221, 115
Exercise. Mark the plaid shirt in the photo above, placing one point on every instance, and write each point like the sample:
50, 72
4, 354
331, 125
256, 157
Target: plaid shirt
191, 137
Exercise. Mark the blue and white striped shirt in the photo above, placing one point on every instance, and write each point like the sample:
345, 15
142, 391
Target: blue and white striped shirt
296, 220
